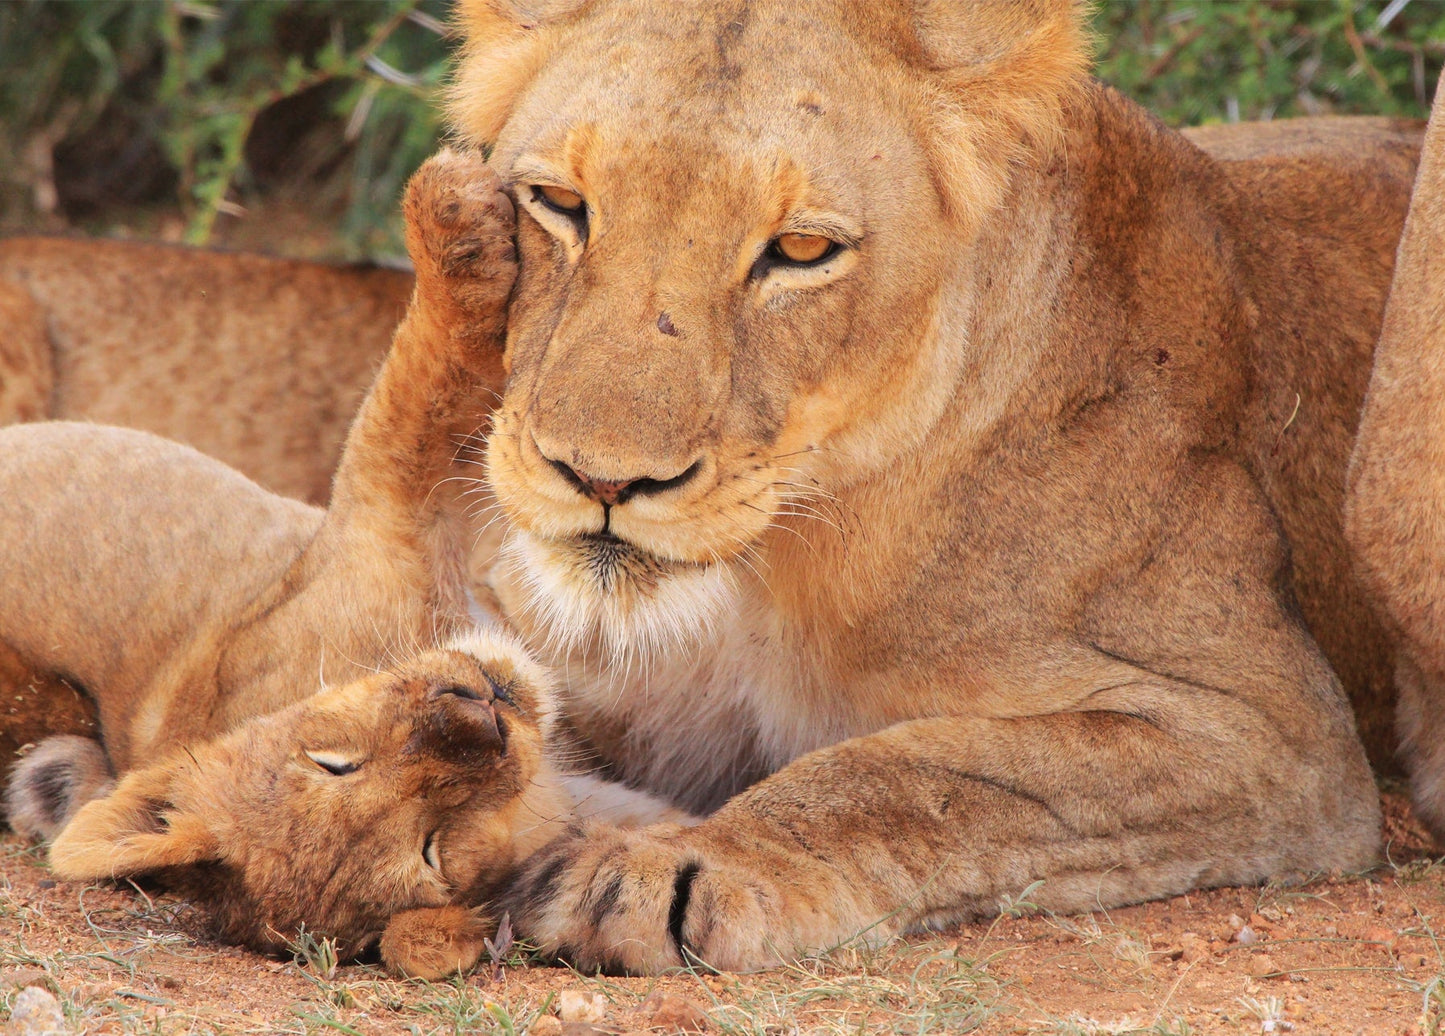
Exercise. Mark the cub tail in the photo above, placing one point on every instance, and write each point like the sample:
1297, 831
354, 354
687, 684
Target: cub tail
52, 781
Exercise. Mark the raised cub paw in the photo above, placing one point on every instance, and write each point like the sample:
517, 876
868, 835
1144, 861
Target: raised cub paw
435, 942
459, 232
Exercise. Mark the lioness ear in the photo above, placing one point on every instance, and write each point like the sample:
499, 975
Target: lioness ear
1000, 73
503, 45
133, 830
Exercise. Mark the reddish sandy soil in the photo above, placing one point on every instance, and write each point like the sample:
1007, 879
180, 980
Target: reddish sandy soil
1335, 954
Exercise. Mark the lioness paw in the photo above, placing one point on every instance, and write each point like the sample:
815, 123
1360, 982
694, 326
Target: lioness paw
459, 232
642, 901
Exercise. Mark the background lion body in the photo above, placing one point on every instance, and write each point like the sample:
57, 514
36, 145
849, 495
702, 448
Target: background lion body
258, 362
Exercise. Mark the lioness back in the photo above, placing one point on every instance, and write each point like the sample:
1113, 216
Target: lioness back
257, 361
1323, 199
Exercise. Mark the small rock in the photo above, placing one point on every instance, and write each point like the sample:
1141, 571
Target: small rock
36, 1012
1193, 948
1261, 965
1246, 935
22, 977
1235, 922
675, 1013
545, 1025
576, 1005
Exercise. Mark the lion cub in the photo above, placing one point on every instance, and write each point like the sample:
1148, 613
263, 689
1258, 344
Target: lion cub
201, 613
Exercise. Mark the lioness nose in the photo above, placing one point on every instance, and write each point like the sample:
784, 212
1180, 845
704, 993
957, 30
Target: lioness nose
611, 492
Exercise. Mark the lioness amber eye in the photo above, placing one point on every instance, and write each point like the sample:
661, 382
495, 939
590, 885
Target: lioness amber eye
804, 248
559, 199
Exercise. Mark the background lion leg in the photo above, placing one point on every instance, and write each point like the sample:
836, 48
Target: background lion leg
1395, 508
931, 820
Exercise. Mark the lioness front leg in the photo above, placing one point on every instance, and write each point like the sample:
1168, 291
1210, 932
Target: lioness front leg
1163, 788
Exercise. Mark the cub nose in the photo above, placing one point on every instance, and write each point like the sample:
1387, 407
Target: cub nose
611, 492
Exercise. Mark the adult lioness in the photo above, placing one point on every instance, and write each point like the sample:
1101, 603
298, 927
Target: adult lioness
259, 362
896, 415
1396, 513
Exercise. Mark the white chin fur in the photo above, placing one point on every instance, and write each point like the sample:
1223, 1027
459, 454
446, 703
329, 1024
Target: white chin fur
627, 618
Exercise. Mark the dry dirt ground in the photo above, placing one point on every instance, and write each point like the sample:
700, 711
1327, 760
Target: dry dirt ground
1331, 954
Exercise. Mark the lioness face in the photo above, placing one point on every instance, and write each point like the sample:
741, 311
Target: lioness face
401, 790
733, 248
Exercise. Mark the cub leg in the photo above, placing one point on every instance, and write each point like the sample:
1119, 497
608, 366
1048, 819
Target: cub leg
1395, 508
387, 572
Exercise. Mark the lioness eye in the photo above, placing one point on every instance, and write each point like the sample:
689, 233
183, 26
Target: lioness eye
804, 249
560, 199
332, 762
430, 854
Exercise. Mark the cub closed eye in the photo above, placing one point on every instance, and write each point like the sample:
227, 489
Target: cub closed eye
333, 762
502, 692
431, 854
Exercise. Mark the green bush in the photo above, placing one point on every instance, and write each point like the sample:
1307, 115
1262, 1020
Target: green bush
215, 102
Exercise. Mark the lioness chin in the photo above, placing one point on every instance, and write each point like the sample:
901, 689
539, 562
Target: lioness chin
281, 759
916, 452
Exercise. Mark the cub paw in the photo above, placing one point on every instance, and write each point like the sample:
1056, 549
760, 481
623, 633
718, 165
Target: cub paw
459, 232
434, 942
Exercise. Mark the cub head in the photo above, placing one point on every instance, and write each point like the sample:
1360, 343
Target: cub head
745, 230
411, 788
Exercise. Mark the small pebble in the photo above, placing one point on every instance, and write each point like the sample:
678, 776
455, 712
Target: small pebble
675, 1013
1261, 965
36, 1012
576, 1005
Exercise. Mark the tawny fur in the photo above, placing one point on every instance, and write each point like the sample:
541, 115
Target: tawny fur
1396, 504
1022, 508
281, 757
258, 362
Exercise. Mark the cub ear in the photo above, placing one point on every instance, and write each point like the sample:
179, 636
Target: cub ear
136, 829
1000, 73
503, 45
